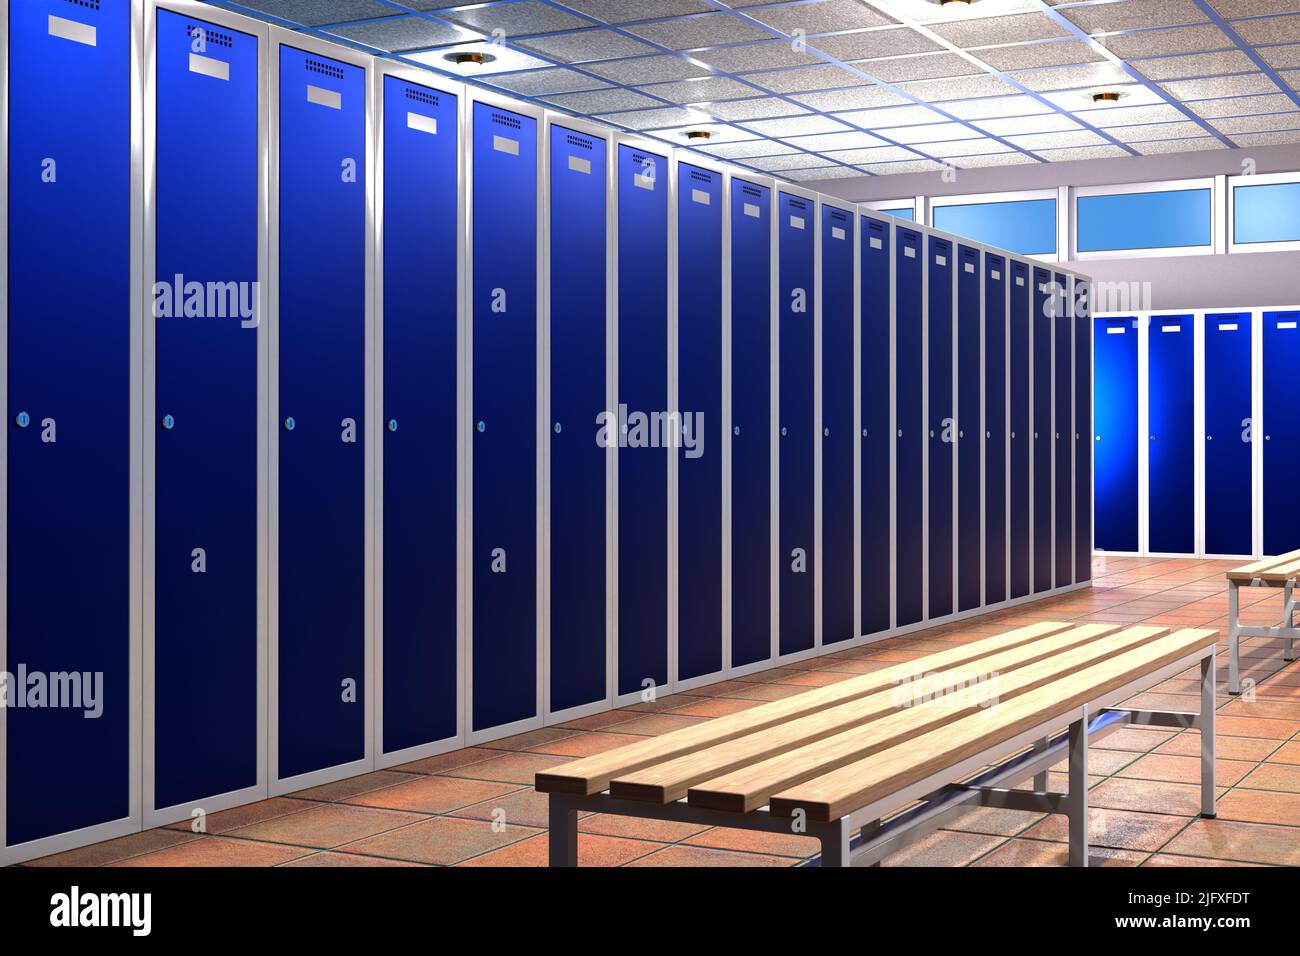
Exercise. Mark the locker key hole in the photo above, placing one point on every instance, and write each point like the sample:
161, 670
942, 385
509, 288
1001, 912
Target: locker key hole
735, 430
290, 424
22, 419
168, 422
558, 428
392, 424
481, 426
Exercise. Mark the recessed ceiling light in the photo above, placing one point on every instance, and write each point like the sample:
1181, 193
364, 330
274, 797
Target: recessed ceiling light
697, 135
470, 61
1106, 97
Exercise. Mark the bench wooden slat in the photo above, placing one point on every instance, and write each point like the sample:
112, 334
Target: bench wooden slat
1281, 573
854, 786
668, 781
1248, 572
589, 775
750, 786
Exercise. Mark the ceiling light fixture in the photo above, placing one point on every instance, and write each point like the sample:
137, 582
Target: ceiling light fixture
1106, 96
955, 3
697, 134
469, 61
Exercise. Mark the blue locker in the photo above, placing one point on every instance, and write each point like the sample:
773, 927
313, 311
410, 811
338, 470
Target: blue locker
969, 441
909, 448
643, 390
1281, 432
1044, 303
1082, 430
877, 443
1228, 433
420, 412
837, 425
942, 427
1020, 437
699, 396
206, 389
322, 526
751, 423
1172, 522
69, 408
1063, 432
995, 429
503, 556
1115, 412
577, 349
795, 292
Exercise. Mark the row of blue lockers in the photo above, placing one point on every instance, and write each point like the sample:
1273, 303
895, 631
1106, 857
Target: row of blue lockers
1197, 441
307, 363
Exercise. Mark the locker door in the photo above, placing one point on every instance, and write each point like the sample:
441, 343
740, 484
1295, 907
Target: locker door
1082, 431
995, 429
837, 425
577, 486
322, 483
1043, 303
699, 396
968, 429
503, 535
751, 423
206, 656
942, 427
877, 443
1020, 435
69, 411
643, 389
1170, 481
1115, 410
420, 412
795, 238
1228, 433
909, 363
1063, 432
1281, 432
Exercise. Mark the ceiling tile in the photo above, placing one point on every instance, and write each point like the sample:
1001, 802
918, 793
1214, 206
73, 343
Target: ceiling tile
1069, 77
1291, 78
860, 98
602, 101
1134, 14
1193, 145
996, 107
867, 44
701, 90
966, 147
653, 119
620, 11
986, 31
688, 33
826, 16
1251, 8
515, 19
646, 69
1130, 115
872, 154
547, 82
313, 13
958, 88
932, 133
1282, 57
797, 126
757, 147
1037, 141
1267, 139
908, 166
1022, 125
402, 33
1076, 153
1242, 105
1269, 29
1161, 42
927, 66
773, 164
992, 159
1195, 65
835, 141
1258, 124
892, 116
595, 44
753, 109
769, 55
1218, 86
1136, 134
821, 173
929, 12
1025, 55
806, 79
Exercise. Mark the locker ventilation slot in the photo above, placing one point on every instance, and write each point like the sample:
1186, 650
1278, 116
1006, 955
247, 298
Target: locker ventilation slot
797, 203
581, 142
643, 159
839, 216
700, 177
506, 120
88, 4
209, 35
752, 191
325, 69
421, 96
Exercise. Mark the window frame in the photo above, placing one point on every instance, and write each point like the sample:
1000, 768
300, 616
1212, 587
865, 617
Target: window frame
1256, 179
1028, 195
1208, 183
884, 205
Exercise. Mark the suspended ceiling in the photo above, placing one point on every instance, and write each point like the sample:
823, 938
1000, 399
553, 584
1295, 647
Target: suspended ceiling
813, 90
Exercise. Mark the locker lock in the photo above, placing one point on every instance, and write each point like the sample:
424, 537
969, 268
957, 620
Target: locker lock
558, 428
481, 426
392, 424
864, 433
1098, 438
290, 424
826, 433
783, 431
1268, 438
931, 432
735, 430
22, 419
961, 434
900, 433
168, 422
1058, 436
1153, 437
988, 434
1209, 438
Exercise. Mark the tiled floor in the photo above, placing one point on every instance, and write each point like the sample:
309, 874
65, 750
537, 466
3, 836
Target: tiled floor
476, 807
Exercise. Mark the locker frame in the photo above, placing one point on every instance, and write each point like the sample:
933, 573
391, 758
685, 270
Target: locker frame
704, 162
472, 96
668, 153
433, 81
554, 118
153, 814
133, 821
277, 785
812, 196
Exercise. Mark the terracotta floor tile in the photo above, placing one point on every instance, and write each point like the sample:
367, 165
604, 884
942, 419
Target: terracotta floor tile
584, 744
1287, 753
1119, 829
331, 858
121, 848
1169, 859
1261, 806
1118, 793
325, 825
943, 848
768, 692
452, 760
1268, 728
1022, 852
682, 855
226, 820
1133, 739
659, 831
1273, 776
1188, 744
530, 740
525, 808
351, 786
1247, 842
1176, 769
434, 794
597, 721
993, 821
652, 725
442, 841
508, 768
752, 841
593, 850
716, 707
219, 851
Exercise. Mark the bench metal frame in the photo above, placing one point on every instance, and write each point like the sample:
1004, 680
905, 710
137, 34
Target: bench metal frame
1285, 630
864, 838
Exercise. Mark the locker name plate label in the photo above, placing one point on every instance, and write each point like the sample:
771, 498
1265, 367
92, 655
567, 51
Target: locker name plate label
72, 30
207, 66
838, 233
504, 144
322, 97
753, 211
909, 252
877, 243
796, 222
701, 197
422, 123
579, 165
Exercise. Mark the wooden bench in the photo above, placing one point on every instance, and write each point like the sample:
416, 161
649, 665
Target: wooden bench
835, 762
1278, 572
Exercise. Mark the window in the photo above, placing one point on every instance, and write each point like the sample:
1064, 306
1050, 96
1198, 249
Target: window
898, 208
1026, 226
1265, 211
1111, 220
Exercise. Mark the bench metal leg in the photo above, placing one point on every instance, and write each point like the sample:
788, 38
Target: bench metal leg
1076, 802
562, 818
1040, 779
1288, 622
1234, 674
835, 842
1206, 725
